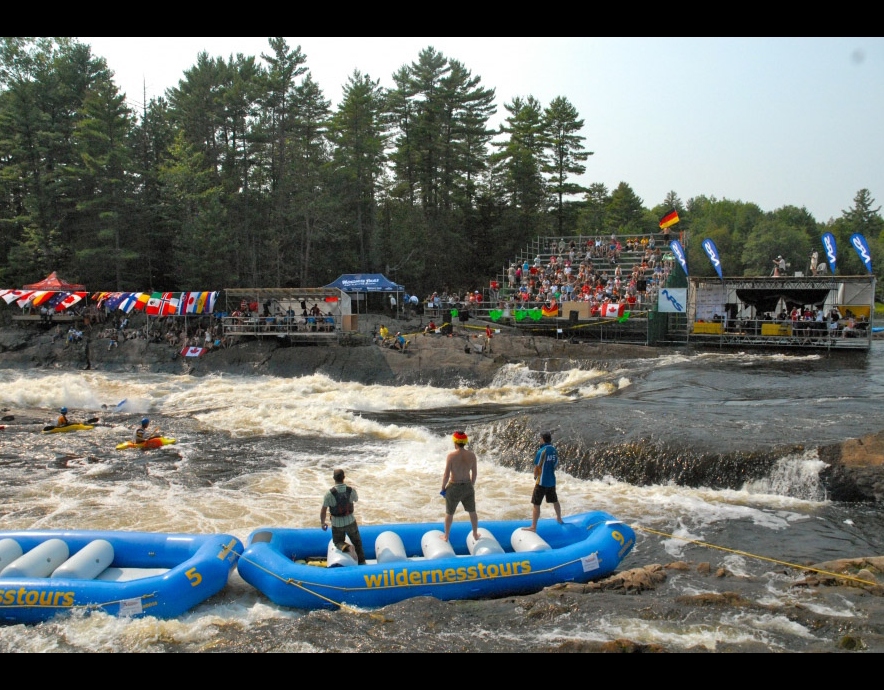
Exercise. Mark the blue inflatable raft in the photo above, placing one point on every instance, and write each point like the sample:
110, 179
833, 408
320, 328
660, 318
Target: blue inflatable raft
300, 568
46, 573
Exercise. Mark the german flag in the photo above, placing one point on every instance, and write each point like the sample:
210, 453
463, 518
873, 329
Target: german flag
549, 311
670, 218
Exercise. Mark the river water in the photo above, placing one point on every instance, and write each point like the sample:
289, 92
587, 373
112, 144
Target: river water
711, 456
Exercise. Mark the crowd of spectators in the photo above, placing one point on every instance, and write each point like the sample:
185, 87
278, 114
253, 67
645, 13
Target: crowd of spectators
628, 271
115, 328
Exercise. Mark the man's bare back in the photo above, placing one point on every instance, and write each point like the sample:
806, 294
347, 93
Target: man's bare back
460, 467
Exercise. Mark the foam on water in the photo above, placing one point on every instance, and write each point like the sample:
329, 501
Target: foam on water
259, 451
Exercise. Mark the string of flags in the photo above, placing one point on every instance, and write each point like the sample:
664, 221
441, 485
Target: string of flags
152, 303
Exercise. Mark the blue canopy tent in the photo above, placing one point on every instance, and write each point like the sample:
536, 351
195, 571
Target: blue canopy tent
366, 283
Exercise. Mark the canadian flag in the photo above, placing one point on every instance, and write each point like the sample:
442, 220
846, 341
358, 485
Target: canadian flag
613, 310
69, 301
193, 351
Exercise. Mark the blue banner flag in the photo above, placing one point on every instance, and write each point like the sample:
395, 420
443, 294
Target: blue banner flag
831, 253
676, 248
712, 252
862, 249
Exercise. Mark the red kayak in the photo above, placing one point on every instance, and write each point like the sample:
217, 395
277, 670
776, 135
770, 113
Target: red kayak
156, 442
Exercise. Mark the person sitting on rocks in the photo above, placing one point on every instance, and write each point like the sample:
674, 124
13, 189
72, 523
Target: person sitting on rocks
399, 343
383, 334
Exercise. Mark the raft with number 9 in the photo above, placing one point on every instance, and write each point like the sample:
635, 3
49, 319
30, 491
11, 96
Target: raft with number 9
44, 573
301, 568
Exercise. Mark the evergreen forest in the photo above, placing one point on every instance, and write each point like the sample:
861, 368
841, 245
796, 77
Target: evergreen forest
244, 175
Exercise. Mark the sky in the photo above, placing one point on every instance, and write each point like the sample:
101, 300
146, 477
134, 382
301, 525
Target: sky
772, 121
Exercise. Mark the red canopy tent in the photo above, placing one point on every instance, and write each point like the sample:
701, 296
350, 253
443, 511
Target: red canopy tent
53, 282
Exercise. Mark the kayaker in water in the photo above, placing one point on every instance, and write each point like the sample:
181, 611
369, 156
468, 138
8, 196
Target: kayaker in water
63, 418
141, 434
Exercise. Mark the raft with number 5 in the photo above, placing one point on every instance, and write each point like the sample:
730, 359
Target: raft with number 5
157, 442
45, 573
302, 568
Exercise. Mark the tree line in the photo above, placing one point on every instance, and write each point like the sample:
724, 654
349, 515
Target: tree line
244, 175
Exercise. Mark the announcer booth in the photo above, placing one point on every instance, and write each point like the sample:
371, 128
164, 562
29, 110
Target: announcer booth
361, 285
756, 311
297, 314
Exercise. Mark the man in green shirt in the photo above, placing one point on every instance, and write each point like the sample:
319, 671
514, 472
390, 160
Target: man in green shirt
339, 502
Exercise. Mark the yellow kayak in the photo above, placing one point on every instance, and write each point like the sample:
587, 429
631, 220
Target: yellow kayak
156, 442
67, 427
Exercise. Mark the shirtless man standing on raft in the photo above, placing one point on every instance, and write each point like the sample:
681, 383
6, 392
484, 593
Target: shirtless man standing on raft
458, 483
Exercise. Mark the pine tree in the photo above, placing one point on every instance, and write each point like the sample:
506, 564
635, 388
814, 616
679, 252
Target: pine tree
566, 153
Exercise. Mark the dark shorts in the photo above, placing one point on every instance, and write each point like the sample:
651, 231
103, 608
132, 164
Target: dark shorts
544, 491
460, 493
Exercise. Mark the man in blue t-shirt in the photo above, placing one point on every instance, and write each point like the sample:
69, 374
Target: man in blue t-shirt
545, 461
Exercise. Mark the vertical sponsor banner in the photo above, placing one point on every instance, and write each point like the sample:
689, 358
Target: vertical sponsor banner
862, 249
831, 252
712, 252
676, 248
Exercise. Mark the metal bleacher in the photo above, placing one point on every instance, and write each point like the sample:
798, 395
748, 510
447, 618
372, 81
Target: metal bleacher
541, 250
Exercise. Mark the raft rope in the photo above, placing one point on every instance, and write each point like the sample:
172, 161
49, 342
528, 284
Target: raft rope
301, 585
752, 555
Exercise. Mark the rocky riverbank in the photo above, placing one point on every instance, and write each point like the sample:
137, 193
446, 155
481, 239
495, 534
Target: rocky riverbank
464, 358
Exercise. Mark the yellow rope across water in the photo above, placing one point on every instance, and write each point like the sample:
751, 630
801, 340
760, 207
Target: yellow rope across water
752, 555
